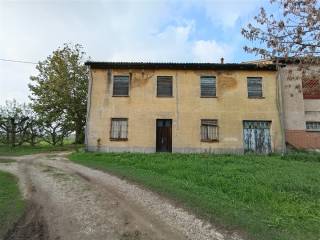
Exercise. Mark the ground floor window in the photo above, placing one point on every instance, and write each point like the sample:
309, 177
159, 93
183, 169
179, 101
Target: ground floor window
313, 126
119, 129
209, 130
256, 136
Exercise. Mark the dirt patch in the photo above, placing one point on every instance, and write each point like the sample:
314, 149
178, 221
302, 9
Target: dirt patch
31, 225
73, 202
6, 160
83, 176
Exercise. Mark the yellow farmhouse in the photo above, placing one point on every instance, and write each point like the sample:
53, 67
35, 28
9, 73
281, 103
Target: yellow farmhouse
182, 107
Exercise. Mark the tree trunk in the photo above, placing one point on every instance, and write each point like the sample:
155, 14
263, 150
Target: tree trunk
33, 140
53, 138
8, 137
13, 132
79, 135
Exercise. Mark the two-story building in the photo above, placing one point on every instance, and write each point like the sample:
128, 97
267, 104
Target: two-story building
182, 107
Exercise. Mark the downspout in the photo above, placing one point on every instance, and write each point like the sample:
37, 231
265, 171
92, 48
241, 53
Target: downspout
177, 101
88, 108
279, 100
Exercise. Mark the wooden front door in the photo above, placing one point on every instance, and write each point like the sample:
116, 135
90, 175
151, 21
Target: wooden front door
164, 135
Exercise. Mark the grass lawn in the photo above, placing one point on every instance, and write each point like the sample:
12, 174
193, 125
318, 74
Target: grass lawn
266, 197
11, 202
6, 150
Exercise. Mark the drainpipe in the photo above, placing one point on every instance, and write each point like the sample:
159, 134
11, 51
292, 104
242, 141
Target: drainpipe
279, 100
88, 108
177, 102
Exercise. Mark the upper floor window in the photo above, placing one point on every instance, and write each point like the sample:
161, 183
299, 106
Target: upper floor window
208, 86
164, 86
313, 126
254, 87
209, 130
121, 86
119, 129
311, 88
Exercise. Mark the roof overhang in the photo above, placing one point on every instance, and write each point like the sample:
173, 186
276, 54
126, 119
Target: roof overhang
182, 66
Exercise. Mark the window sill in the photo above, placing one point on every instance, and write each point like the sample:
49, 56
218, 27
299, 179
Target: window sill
118, 139
165, 96
256, 97
208, 97
209, 141
120, 96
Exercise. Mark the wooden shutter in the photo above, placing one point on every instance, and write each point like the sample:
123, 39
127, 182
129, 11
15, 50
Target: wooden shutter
119, 129
208, 86
121, 86
164, 86
209, 130
254, 87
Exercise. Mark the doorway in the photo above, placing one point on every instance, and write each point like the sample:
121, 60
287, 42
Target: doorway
256, 136
164, 135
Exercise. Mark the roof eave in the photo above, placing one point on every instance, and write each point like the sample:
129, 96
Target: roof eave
181, 66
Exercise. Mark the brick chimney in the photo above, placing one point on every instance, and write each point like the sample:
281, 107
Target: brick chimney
222, 60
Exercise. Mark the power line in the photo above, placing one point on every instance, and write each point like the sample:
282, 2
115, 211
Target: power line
17, 61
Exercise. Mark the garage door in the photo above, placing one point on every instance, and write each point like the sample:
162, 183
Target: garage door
256, 136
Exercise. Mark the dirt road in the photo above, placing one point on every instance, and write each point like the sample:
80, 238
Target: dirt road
72, 202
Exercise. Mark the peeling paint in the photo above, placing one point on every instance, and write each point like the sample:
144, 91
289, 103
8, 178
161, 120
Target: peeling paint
226, 83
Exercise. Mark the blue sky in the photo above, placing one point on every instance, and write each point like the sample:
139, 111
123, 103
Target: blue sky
123, 30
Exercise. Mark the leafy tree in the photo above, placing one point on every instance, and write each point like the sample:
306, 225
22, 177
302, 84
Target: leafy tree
34, 131
13, 123
294, 33
55, 128
59, 92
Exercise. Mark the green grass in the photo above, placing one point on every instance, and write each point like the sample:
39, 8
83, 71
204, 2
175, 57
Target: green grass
6, 150
265, 197
11, 202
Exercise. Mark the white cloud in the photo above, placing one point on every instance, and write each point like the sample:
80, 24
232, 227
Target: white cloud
170, 44
109, 30
210, 51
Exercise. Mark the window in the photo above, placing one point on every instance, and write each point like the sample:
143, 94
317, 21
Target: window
209, 130
164, 86
119, 129
121, 86
254, 87
311, 88
208, 86
313, 126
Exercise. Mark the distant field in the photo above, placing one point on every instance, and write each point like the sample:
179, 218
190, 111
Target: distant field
6, 150
11, 203
265, 197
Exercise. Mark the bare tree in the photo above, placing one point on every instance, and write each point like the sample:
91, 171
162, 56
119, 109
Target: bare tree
294, 33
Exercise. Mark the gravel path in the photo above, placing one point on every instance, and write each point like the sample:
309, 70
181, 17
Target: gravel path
72, 202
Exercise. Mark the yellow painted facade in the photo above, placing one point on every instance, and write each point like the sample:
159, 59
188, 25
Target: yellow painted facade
186, 109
